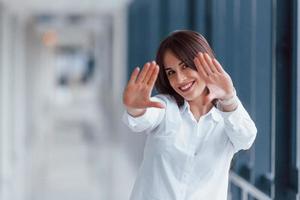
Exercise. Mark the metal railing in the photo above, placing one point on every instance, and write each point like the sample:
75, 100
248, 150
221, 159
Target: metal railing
246, 188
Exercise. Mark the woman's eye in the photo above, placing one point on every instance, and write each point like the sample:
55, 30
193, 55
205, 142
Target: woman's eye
169, 73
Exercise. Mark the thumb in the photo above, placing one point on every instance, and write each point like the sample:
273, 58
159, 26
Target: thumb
155, 104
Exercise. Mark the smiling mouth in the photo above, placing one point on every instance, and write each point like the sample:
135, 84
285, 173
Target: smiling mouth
187, 87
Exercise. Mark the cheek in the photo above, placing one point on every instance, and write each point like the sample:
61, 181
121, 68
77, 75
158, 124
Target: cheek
197, 76
201, 85
172, 82
201, 81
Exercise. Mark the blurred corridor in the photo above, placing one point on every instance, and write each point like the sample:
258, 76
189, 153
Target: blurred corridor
63, 66
62, 71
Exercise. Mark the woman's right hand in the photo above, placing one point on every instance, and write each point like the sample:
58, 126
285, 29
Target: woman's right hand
136, 97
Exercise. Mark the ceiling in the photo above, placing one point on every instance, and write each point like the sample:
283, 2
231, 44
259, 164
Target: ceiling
70, 21
63, 6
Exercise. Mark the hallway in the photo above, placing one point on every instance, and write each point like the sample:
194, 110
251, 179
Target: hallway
63, 67
60, 103
74, 155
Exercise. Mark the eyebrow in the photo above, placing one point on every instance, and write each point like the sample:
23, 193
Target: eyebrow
169, 68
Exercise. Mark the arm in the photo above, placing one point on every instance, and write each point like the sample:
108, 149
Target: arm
148, 120
142, 112
239, 127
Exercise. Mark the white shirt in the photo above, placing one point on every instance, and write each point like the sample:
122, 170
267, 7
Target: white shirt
185, 159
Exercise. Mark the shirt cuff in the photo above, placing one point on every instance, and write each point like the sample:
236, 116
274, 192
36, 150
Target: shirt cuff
134, 121
234, 117
149, 120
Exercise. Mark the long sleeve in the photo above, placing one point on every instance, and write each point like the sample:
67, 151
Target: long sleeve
148, 121
239, 127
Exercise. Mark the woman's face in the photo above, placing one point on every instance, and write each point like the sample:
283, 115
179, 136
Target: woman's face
183, 79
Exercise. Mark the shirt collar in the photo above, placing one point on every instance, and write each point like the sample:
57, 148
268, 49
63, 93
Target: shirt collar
212, 113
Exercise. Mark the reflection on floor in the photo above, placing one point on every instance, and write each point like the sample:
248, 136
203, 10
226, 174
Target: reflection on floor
74, 157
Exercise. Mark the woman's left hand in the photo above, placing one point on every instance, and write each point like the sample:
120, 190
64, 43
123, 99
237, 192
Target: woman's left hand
216, 78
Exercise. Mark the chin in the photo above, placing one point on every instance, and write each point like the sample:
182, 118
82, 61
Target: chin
190, 97
193, 97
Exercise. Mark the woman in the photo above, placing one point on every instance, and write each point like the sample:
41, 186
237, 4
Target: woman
194, 125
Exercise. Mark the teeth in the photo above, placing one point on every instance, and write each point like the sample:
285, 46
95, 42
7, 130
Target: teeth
186, 86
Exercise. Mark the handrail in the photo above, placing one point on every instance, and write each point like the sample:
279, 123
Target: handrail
247, 188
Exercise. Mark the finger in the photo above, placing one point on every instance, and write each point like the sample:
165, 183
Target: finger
150, 72
153, 76
134, 75
204, 64
154, 104
143, 73
200, 68
210, 63
218, 66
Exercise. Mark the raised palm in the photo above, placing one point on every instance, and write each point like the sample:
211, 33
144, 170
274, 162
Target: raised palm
138, 90
217, 80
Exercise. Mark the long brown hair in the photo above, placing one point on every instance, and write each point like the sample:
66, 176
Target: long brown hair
185, 45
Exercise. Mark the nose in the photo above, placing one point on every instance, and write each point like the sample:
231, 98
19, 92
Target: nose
180, 77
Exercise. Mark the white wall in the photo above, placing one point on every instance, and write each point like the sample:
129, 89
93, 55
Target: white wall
12, 115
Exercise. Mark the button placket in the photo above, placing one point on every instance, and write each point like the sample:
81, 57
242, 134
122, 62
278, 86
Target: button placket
202, 135
197, 130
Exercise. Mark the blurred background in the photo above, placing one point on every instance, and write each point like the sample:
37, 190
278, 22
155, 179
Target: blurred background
64, 64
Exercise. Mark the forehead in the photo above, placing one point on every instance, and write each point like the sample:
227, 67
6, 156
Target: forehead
170, 60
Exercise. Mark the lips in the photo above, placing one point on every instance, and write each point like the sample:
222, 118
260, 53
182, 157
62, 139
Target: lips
186, 87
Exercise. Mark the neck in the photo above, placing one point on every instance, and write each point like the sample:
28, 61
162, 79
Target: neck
198, 109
